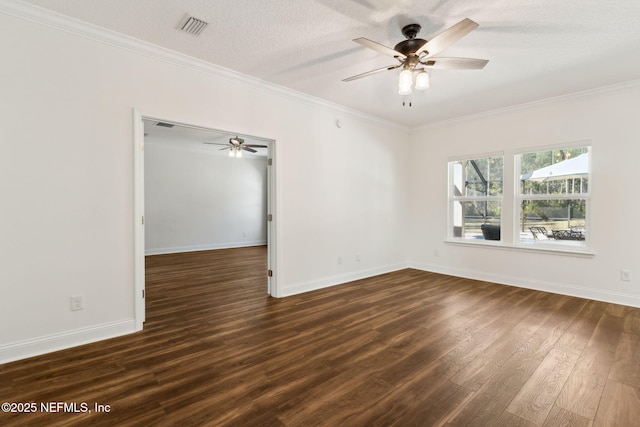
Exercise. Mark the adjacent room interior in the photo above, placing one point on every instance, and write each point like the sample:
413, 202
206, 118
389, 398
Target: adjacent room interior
203, 190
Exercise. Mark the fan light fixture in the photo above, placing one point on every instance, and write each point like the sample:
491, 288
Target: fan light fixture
235, 150
405, 81
422, 80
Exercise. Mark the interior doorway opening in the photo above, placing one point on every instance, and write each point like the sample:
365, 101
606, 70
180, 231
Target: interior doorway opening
193, 192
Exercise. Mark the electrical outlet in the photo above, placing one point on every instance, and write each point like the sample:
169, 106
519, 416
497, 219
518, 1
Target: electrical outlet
625, 275
357, 257
339, 260
77, 303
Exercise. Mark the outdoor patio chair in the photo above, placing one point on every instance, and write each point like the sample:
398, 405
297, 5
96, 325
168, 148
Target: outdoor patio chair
539, 233
567, 235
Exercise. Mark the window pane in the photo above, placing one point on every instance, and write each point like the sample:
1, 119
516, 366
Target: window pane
553, 221
563, 171
478, 177
477, 220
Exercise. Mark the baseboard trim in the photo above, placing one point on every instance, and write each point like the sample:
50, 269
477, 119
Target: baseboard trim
49, 343
207, 247
538, 285
326, 282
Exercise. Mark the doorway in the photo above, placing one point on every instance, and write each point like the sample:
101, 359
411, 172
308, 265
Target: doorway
242, 213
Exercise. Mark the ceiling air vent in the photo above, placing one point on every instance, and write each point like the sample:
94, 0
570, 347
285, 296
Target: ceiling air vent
165, 125
193, 25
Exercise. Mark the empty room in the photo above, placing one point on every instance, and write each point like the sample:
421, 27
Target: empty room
319, 213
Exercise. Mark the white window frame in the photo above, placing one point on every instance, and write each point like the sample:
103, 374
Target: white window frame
453, 198
519, 198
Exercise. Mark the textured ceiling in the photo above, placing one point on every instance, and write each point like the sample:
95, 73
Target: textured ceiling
537, 48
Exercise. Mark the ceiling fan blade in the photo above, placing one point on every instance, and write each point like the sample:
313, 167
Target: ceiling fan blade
225, 148
448, 37
368, 73
379, 48
246, 148
455, 63
213, 143
256, 146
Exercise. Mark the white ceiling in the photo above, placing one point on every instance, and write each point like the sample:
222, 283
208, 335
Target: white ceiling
537, 48
194, 138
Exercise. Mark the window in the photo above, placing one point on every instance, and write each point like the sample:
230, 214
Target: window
552, 199
548, 201
475, 198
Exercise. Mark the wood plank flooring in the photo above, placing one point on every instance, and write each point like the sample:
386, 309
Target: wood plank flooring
408, 348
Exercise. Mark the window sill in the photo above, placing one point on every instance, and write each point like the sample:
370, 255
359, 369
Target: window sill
552, 249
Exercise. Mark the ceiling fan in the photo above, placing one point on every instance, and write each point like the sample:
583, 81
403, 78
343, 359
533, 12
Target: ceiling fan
416, 55
236, 145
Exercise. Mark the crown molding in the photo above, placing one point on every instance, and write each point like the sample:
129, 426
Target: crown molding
542, 102
45, 17
58, 21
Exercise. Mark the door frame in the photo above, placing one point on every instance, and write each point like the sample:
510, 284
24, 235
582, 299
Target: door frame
138, 209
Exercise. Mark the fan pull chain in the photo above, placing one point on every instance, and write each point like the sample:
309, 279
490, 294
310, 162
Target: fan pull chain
404, 101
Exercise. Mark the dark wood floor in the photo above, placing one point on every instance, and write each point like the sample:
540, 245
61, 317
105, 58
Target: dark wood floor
405, 348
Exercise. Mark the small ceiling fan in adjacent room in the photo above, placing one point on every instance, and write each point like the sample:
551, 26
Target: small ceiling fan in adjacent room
236, 145
416, 56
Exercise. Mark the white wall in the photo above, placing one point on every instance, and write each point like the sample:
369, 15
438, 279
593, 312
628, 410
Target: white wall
608, 119
66, 176
66, 179
198, 199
